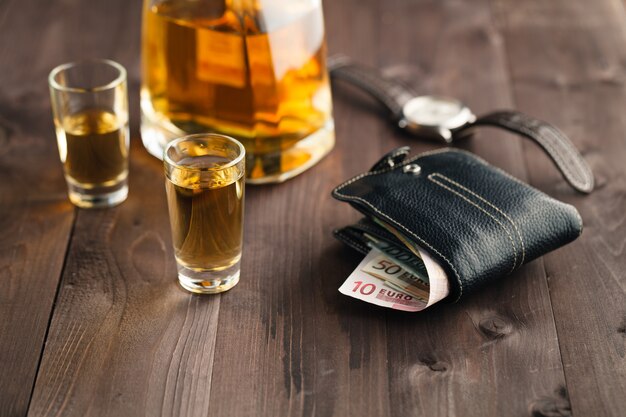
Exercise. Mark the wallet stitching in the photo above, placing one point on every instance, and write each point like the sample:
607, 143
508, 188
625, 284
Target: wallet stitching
475, 157
336, 191
387, 169
412, 234
435, 152
519, 235
484, 211
528, 186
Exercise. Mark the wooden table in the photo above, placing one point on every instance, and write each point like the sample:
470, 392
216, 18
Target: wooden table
92, 321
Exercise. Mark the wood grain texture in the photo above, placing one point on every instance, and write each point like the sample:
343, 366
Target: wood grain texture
35, 216
567, 64
301, 347
464, 359
425, 373
125, 340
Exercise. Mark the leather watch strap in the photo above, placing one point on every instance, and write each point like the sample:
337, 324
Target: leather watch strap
392, 94
554, 142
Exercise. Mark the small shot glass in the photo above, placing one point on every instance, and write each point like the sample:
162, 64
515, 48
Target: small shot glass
205, 175
90, 109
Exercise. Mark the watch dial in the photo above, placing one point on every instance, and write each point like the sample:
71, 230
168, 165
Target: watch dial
433, 111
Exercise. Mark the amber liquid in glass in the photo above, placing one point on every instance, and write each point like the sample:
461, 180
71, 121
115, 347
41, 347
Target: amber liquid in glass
206, 216
209, 69
93, 145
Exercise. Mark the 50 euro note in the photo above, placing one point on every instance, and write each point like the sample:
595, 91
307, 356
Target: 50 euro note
402, 256
374, 289
399, 267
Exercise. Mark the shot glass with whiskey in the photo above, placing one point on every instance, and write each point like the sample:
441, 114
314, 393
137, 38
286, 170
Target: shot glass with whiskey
90, 108
205, 176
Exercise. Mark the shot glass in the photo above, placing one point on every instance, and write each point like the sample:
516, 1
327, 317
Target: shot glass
90, 109
204, 183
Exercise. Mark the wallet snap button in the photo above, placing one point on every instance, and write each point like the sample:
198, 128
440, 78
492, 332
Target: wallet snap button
412, 169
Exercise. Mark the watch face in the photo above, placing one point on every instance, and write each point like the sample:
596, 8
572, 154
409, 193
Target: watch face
435, 112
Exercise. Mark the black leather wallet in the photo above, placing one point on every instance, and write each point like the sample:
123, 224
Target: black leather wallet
476, 220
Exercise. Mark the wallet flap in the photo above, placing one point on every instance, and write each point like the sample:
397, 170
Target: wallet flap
477, 221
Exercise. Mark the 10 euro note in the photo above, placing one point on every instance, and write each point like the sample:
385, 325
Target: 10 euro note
368, 284
366, 287
400, 267
389, 271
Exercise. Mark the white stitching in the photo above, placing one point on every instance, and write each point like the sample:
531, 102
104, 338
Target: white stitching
506, 174
477, 158
337, 192
411, 233
387, 169
562, 164
519, 235
430, 177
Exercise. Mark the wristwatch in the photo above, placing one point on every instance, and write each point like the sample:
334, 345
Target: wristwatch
447, 119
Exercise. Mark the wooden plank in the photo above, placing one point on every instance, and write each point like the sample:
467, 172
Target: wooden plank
289, 343
464, 359
124, 339
122, 346
35, 216
567, 64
